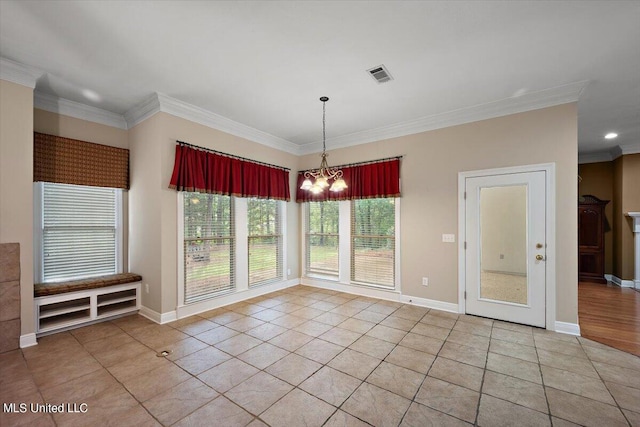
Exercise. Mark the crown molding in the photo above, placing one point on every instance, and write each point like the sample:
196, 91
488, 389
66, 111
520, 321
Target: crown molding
142, 111
609, 155
19, 73
601, 156
75, 109
207, 118
531, 101
629, 149
159, 102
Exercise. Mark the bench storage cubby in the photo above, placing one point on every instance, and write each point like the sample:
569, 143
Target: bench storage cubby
65, 309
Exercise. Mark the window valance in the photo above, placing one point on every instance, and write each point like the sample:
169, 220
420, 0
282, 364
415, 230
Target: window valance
70, 161
208, 171
367, 180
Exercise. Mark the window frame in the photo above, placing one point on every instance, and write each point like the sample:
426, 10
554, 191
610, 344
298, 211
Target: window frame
241, 267
344, 249
306, 240
38, 232
181, 254
280, 235
353, 236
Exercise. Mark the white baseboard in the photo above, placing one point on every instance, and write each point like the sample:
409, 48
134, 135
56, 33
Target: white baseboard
388, 295
364, 291
213, 303
28, 340
160, 318
620, 282
430, 303
567, 328
637, 284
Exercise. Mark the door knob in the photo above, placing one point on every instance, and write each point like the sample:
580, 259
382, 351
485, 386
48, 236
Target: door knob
539, 246
540, 257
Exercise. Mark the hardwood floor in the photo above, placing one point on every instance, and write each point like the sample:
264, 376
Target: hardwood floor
610, 315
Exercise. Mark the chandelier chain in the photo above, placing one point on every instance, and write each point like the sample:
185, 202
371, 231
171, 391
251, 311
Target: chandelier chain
324, 124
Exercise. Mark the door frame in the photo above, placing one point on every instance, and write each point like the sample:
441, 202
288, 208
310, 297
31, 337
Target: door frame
550, 232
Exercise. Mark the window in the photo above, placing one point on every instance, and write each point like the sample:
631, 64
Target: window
209, 245
373, 241
353, 241
265, 241
322, 238
79, 232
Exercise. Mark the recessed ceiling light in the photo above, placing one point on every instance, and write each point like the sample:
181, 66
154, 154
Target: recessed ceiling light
611, 135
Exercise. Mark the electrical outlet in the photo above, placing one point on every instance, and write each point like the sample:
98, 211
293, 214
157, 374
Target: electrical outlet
288, 272
146, 287
449, 238
425, 281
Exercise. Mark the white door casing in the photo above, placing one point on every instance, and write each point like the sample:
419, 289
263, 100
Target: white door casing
536, 181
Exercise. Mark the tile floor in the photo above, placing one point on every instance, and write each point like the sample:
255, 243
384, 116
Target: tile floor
311, 357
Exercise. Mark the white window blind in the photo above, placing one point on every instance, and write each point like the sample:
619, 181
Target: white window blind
322, 238
265, 241
373, 242
209, 246
79, 231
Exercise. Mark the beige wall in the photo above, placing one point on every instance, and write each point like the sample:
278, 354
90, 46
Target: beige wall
430, 167
145, 209
16, 186
153, 227
626, 198
83, 130
503, 216
597, 180
630, 203
429, 204
70, 127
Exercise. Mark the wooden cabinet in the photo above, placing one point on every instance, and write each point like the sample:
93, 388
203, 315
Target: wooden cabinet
591, 223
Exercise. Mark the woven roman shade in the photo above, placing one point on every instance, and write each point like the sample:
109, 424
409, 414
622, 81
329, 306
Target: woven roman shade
70, 161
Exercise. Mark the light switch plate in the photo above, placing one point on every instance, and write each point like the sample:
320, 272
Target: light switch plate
449, 238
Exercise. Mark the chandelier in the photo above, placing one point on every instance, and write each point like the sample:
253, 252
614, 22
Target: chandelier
324, 173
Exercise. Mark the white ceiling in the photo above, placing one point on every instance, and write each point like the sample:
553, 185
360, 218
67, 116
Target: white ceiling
265, 64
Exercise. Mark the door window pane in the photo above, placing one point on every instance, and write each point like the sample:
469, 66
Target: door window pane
503, 237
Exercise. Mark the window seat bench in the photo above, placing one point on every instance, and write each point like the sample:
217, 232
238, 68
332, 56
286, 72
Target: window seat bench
66, 305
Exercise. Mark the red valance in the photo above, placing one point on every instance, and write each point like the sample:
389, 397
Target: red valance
210, 172
364, 181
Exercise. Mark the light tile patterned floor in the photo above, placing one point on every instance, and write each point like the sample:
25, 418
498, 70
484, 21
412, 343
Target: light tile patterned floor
311, 357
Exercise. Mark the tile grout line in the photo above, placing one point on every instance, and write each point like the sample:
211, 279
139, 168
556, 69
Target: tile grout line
426, 375
363, 380
484, 372
286, 300
605, 384
125, 387
544, 388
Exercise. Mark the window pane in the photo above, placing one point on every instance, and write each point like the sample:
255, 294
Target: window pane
373, 241
79, 231
265, 241
209, 245
322, 238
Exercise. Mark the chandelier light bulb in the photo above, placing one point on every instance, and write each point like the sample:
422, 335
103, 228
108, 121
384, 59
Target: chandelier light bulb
306, 184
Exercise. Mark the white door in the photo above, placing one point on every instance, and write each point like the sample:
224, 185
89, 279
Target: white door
505, 239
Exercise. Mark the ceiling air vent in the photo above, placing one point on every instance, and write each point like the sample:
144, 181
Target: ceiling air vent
380, 74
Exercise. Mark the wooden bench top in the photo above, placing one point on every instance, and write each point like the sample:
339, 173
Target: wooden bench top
46, 289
